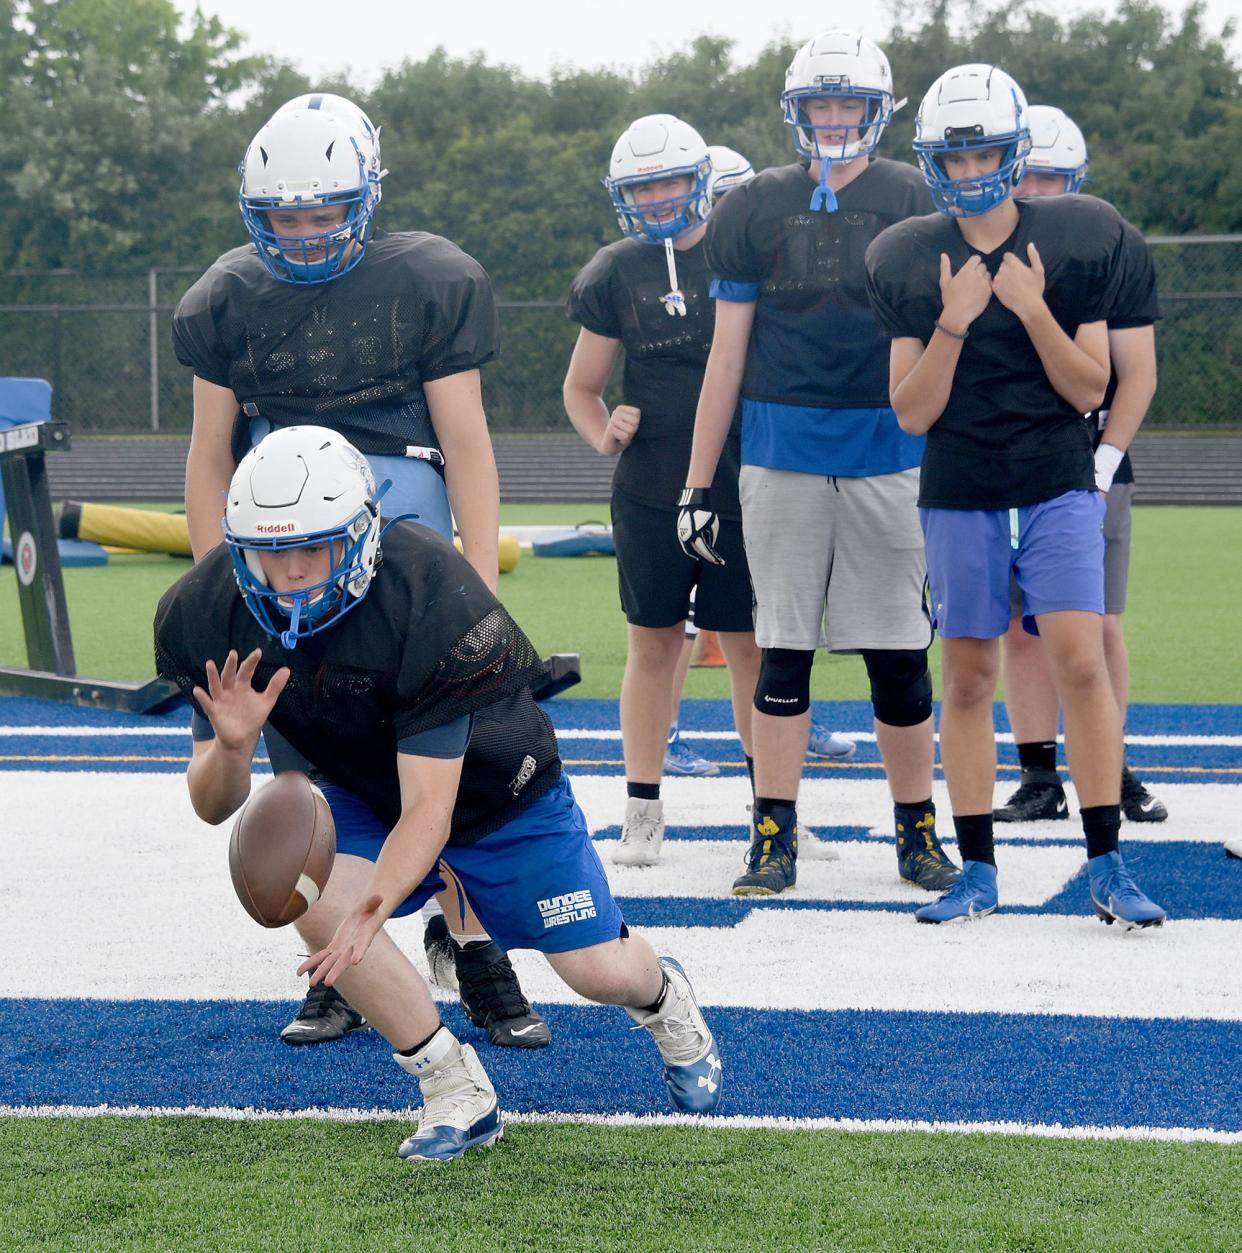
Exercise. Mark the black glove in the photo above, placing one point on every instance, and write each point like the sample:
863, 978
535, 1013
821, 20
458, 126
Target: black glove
698, 526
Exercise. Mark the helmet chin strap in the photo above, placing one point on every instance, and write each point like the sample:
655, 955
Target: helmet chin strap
823, 197
675, 300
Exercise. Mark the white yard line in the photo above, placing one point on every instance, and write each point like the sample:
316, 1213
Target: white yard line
738, 1122
118, 891
598, 733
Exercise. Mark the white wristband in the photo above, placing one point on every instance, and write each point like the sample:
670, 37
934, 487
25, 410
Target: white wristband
1107, 459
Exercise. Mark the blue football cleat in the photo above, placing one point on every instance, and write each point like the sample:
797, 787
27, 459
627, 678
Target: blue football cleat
459, 1103
972, 896
1116, 897
678, 759
692, 1067
828, 744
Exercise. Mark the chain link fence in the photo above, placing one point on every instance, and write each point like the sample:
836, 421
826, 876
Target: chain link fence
104, 343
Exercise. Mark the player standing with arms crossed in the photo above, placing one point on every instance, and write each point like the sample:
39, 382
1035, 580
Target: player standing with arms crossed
1057, 165
380, 336
828, 480
997, 310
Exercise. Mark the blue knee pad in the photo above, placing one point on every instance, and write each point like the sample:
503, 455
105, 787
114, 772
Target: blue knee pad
901, 686
784, 687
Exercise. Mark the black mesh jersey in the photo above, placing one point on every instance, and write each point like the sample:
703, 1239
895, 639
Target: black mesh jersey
1006, 438
815, 339
1137, 304
427, 644
617, 295
351, 354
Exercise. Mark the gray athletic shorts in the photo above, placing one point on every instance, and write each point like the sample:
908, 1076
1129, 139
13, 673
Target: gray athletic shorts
1117, 528
835, 561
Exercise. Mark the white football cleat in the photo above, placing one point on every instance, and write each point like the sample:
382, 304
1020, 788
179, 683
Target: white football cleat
692, 1066
642, 835
459, 1103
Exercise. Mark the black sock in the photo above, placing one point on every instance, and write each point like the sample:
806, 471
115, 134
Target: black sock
974, 837
644, 791
422, 1044
654, 1007
914, 811
782, 812
1038, 755
1101, 824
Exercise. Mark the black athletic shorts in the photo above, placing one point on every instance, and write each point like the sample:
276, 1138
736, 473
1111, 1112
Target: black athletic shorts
657, 578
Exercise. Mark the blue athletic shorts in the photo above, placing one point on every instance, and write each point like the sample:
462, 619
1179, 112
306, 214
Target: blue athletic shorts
1055, 550
535, 883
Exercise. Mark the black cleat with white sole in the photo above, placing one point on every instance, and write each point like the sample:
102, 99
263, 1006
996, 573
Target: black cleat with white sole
1039, 798
1137, 803
493, 1000
325, 1016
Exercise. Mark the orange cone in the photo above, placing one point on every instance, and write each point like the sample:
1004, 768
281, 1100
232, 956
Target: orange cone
707, 651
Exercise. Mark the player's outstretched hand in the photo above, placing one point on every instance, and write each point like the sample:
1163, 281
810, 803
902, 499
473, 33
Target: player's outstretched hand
236, 709
1018, 286
698, 525
348, 945
964, 295
621, 429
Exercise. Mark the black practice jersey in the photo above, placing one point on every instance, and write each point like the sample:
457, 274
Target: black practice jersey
1137, 305
352, 353
815, 340
617, 295
428, 644
1006, 438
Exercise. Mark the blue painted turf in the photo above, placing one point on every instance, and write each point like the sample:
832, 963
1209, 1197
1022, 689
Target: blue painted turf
143, 753
844, 1064
1189, 879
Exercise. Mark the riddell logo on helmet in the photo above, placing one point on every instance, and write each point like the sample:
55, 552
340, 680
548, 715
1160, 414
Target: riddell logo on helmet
276, 528
646, 169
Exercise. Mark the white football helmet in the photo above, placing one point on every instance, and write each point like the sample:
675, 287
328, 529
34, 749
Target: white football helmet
1057, 145
729, 168
839, 63
368, 136
299, 487
309, 158
967, 108
654, 148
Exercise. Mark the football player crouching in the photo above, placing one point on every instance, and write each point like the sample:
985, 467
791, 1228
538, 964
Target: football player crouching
405, 684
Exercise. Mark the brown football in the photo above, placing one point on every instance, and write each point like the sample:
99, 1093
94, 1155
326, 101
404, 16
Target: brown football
282, 848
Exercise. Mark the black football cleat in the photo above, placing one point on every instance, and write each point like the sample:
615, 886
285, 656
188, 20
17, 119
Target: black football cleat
325, 1016
441, 959
1039, 797
1137, 803
493, 1000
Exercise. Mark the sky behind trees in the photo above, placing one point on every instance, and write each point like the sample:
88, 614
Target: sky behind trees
541, 35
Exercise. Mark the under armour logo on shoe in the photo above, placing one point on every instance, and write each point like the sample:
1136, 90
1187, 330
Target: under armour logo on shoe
710, 1081
767, 826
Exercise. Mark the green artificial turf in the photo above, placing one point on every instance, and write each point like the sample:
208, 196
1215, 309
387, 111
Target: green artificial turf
1181, 623
189, 1184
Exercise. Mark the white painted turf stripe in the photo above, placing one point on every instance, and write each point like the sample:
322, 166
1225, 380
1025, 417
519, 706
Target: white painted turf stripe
596, 733
733, 1122
150, 912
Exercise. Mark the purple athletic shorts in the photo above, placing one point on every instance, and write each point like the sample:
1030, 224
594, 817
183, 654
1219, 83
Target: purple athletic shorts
1055, 550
